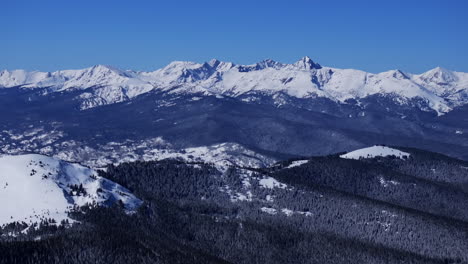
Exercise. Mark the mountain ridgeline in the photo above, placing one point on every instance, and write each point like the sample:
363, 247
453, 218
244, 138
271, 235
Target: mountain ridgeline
225, 163
375, 205
282, 110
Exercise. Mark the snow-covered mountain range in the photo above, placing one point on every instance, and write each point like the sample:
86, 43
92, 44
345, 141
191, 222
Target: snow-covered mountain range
34, 188
441, 89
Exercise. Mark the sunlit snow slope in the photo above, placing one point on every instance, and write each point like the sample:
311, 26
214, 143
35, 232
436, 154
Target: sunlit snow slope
375, 151
35, 187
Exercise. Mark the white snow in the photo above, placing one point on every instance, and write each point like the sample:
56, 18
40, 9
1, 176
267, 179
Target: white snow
305, 213
268, 210
287, 212
242, 197
386, 183
297, 163
374, 151
271, 183
34, 187
222, 155
269, 198
440, 88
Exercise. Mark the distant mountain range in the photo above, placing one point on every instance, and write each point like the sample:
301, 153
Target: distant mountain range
103, 115
225, 163
441, 89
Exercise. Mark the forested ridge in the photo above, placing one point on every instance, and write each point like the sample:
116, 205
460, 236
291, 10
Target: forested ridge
328, 210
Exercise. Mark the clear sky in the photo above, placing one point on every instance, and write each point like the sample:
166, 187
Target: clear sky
371, 35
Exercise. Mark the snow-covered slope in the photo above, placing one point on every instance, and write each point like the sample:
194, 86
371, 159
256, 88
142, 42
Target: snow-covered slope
110, 85
441, 89
297, 163
221, 155
375, 151
35, 187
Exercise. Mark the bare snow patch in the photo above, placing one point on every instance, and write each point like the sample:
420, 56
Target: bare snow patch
386, 183
271, 183
297, 163
374, 151
269, 198
268, 210
247, 197
221, 155
305, 213
287, 212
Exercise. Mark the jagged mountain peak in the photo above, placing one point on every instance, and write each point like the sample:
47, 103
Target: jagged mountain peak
180, 65
269, 63
306, 63
105, 70
103, 67
213, 63
396, 74
217, 65
304, 78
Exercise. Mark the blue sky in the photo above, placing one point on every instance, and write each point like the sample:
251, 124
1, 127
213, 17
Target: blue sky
412, 35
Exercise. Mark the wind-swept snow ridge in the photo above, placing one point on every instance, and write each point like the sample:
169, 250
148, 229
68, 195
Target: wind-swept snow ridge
35, 187
440, 88
375, 151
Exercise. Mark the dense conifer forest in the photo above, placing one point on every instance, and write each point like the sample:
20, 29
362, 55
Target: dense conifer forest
328, 210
